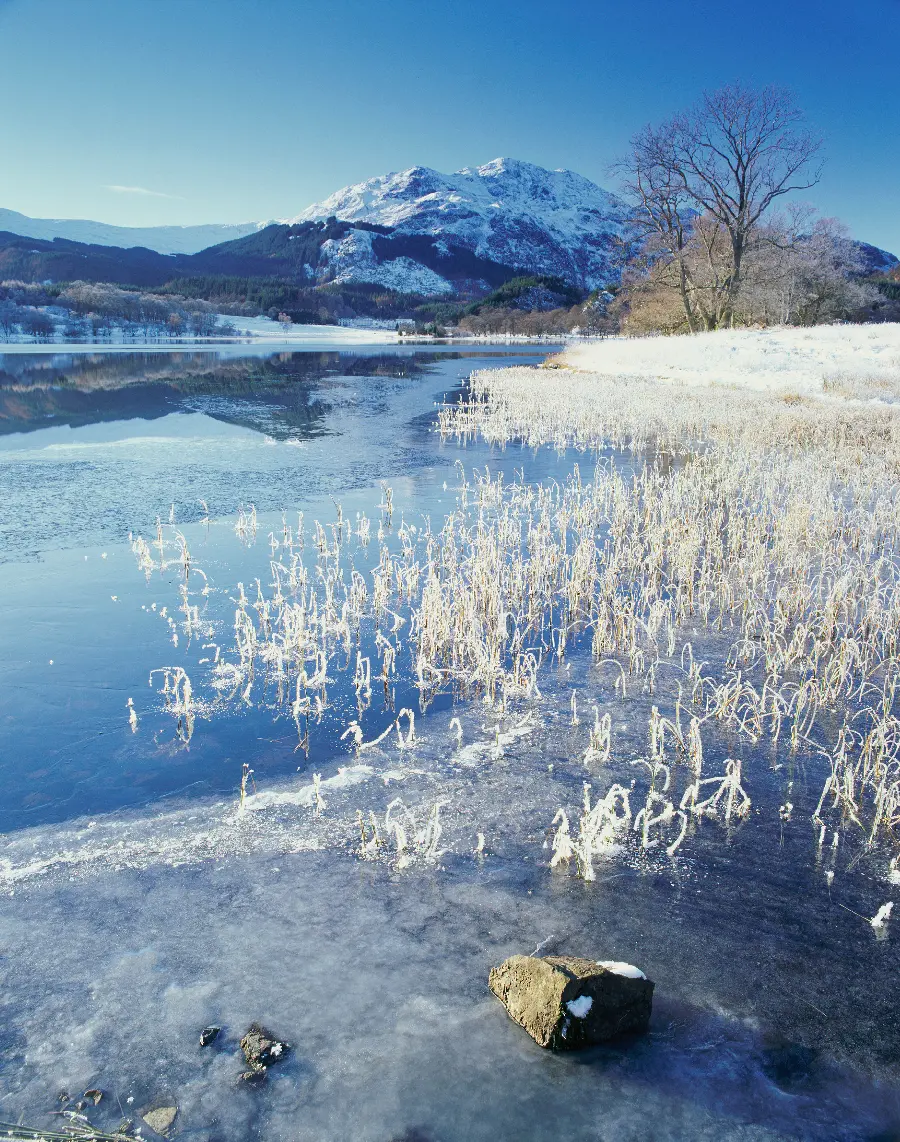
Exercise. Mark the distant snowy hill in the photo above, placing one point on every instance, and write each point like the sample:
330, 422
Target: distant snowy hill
510, 212
163, 239
872, 259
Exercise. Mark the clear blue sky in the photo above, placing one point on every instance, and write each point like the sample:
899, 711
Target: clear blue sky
249, 109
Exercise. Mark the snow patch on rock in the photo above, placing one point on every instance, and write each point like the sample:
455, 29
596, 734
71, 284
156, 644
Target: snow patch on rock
617, 967
580, 1007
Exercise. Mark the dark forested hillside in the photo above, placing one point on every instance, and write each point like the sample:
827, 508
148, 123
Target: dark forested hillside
35, 260
286, 254
289, 269
279, 251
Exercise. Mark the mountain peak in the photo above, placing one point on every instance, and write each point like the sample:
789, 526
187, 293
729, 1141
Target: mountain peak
502, 166
506, 210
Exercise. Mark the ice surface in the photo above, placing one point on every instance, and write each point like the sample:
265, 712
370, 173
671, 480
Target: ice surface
107, 984
306, 794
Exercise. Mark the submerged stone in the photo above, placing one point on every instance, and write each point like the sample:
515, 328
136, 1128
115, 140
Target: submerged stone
160, 1118
565, 1002
209, 1035
261, 1049
254, 1075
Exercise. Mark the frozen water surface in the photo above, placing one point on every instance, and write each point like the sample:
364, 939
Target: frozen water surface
139, 903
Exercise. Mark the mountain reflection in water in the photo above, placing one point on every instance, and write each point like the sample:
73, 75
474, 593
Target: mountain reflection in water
76, 390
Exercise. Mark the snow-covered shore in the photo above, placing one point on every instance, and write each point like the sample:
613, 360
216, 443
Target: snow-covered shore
264, 329
249, 331
848, 360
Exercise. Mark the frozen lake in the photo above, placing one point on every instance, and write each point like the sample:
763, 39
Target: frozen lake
138, 905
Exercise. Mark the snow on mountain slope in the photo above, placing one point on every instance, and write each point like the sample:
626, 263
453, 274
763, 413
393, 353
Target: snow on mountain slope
352, 259
512, 212
163, 239
466, 231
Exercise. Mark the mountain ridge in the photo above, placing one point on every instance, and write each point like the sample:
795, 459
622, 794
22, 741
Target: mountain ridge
415, 231
160, 239
507, 211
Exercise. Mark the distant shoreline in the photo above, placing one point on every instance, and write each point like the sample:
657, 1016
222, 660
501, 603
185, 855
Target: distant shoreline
271, 344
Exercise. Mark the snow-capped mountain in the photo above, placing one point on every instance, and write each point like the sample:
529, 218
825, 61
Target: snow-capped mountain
507, 211
511, 213
417, 231
163, 239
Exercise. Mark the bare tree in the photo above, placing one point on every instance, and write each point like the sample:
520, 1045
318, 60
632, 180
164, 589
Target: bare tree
10, 316
799, 270
726, 161
36, 323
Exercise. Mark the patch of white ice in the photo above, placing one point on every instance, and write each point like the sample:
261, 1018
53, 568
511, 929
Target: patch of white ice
306, 794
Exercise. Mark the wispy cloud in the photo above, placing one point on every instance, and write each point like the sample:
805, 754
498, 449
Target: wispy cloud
142, 190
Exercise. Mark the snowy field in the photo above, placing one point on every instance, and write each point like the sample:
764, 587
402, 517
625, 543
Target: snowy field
263, 329
841, 360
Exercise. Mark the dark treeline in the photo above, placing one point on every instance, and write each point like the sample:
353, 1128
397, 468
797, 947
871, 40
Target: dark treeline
307, 305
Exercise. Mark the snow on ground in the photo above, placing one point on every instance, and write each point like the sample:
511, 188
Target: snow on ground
263, 329
845, 360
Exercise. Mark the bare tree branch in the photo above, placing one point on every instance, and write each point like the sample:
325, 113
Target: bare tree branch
728, 159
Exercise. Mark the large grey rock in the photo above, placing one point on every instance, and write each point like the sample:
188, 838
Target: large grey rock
565, 1002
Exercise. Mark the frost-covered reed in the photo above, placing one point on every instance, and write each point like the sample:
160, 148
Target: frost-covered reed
772, 524
766, 532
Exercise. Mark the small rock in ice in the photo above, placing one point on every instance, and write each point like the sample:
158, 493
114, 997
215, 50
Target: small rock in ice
94, 1095
261, 1048
160, 1118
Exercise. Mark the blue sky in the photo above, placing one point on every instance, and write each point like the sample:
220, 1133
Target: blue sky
229, 110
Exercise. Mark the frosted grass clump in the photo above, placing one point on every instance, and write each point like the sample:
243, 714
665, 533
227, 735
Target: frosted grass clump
412, 841
781, 525
768, 528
